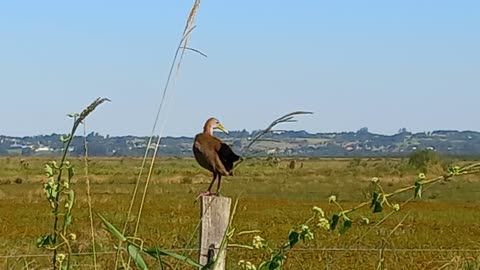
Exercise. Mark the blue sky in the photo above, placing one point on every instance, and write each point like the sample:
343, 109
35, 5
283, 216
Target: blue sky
377, 64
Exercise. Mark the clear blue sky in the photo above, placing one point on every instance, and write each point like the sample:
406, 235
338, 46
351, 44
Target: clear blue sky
379, 64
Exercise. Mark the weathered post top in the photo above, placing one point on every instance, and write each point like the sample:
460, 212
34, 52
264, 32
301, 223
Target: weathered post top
215, 214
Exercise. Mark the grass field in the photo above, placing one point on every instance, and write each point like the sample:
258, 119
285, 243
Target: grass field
441, 230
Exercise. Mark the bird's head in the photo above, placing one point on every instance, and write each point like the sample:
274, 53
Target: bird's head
213, 123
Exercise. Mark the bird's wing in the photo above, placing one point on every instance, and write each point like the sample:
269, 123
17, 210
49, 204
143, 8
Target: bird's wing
208, 154
201, 156
227, 153
227, 156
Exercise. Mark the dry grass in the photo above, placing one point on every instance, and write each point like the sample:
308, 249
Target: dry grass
273, 199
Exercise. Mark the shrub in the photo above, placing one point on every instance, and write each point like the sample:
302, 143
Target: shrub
422, 160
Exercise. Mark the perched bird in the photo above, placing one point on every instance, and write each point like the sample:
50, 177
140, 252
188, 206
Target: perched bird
213, 154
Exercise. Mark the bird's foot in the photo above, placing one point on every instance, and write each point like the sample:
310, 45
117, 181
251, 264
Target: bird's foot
208, 193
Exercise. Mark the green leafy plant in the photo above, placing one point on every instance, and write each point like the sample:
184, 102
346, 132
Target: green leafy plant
61, 197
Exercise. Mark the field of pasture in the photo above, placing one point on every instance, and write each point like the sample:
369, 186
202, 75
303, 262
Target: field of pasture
439, 231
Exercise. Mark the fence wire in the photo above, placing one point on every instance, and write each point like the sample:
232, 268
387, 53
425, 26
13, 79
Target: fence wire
404, 250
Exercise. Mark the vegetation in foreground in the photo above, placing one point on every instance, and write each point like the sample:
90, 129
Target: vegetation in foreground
274, 195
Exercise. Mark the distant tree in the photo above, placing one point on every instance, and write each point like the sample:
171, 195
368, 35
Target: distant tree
97, 149
3, 150
237, 144
27, 152
78, 150
422, 159
363, 130
402, 130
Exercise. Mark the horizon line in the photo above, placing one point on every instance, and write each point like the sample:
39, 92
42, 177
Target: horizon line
251, 132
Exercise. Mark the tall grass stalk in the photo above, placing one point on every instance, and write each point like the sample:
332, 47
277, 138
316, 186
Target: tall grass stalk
386, 241
89, 196
287, 118
181, 48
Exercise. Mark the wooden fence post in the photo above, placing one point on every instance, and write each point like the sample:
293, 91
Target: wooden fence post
215, 213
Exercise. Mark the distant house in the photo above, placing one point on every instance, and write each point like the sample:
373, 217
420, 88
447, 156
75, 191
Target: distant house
16, 145
350, 146
43, 149
271, 151
153, 146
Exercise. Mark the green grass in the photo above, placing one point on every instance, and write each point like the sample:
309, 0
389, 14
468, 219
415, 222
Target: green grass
272, 198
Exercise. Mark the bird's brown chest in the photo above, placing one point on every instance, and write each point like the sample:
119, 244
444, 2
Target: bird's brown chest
204, 149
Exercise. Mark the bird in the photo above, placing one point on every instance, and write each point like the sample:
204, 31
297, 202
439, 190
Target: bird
213, 154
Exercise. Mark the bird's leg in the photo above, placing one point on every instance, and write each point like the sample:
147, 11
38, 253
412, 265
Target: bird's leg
218, 184
208, 192
211, 183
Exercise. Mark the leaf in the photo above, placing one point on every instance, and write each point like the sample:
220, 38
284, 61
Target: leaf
156, 253
136, 256
71, 172
54, 165
277, 261
46, 240
263, 266
454, 171
365, 221
51, 190
65, 139
347, 224
70, 199
48, 170
418, 190
293, 238
64, 267
248, 232
241, 246
378, 207
375, 196
376, 204
112, 228
68, 219
334, 222
274, 263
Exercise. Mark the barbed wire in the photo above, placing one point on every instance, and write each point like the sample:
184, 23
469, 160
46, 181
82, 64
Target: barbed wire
293, 250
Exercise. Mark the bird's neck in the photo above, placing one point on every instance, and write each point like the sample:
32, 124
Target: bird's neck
208, 130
